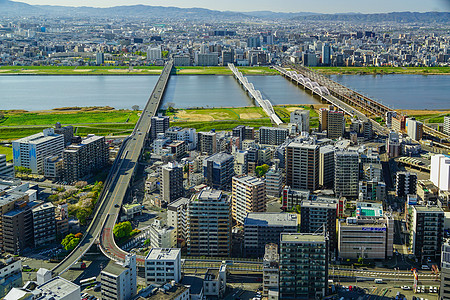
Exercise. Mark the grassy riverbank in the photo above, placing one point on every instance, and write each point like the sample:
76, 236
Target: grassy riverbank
383, 70
139, 70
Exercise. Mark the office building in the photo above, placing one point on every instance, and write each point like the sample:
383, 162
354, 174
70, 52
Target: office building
206, 59
346, 173
118, 282
218, 169
272, 135
426, 227
271, 272
368, 235
215, 282
30, 152
301, 118
326, 54
154, 53
177, 217
274, 182
84, 158
302, 278
44, 224
207, 142
440, 171
405, 184
100, 58
309, 59
264, 228
333, 122
302, 166
171, 182
372, 190
248, 195
444, 291
320, 214
159, 124
209, 224
6, 169
414, 129
162, 265
227, 57
326, 166
447, 125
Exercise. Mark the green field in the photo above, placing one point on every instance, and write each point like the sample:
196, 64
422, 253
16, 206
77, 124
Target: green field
124, 70
383, 70
7, 151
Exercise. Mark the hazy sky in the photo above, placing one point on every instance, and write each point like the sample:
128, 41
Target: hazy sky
323, 6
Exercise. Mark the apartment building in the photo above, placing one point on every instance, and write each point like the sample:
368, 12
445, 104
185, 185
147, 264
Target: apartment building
272, 135
30, 152
302, 166
207, 142
171, 182
44, 224
218, 170
162, 265
6, 169
271, 271
346, 173
274, 182
118, 282
301, 118
326, 166
177, 217
405, 184
159, 124
248, 195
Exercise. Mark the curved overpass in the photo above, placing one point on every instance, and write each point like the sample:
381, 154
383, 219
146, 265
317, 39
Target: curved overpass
117, 184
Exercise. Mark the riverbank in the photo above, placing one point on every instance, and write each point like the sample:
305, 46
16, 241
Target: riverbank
383, 70
139, 70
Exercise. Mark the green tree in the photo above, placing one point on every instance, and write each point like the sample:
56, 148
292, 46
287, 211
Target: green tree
122, 230
360, 260
147, 242
262, 170
164, 53
82, 214
298, 208
70, 242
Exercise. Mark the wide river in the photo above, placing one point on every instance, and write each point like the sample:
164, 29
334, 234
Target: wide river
46, 92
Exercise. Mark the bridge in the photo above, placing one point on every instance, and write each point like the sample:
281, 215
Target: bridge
323, 92
354, 98
256, 94
117, 184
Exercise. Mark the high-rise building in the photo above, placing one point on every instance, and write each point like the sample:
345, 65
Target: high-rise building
118, 282
240, 162
66, 131
30, 152
302, 166
319, 214
405, 184
271, 272
218, 169
253, 42
243, 133
444, 291
44, 224
326, 166
326, 54
171, 182
388, 117
414, 129
162, 265
346, 173
301, 118
206, 59
248, 195
100, 58
188, 135
291, 198
303, 266
393, 144
6, 169
227, 57
274, 182
154, 53
333, 122
209, 224
426, 232
207, 142
272, 135
447, 125
177, 217
162, 236
84, 158
440, 171
159, 124
264, 228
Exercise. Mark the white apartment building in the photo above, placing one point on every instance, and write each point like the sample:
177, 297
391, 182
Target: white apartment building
440, 171
118, 282
163, 265
162, 236
30, 152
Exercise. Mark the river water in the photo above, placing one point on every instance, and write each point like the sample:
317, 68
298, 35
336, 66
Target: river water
122, 92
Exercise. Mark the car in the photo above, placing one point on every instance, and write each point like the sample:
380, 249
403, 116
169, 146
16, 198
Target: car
116, 205
406, 288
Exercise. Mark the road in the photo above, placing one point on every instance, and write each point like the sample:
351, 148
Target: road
117, 184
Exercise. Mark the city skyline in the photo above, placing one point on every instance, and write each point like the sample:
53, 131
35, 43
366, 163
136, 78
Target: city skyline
325, 6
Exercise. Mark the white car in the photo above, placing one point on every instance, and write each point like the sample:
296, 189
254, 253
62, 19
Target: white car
406, 288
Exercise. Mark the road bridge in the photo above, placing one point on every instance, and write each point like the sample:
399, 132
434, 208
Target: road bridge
117, 184
324, 94
256, 94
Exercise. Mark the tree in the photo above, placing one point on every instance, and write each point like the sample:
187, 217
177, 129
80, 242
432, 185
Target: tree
78, 235
298, 208
122, 230
70, 242
147, 242
262, 170
82, 214
135, 107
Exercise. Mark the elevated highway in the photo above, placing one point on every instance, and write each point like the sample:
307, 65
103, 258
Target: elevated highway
117, 184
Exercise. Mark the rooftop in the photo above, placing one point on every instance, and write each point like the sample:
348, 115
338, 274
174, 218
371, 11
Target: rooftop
57, 288
219, 158
430, 209
249, 180
114, 268
210, 195
166, 293
38, 138
302, 237
163, 254
270, 219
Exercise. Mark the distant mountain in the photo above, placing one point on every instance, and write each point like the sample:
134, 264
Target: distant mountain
277, 15
17, 8
401, 17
